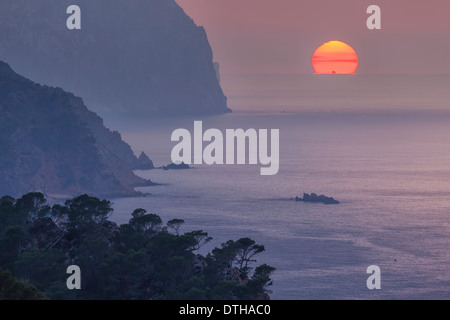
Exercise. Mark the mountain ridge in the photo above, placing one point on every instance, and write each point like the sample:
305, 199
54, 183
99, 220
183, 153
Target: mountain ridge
145, 57
51, 142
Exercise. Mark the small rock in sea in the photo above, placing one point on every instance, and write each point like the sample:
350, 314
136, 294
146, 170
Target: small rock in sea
174, 166
315, 198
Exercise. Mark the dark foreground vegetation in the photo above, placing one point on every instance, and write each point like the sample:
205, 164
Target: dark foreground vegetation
143, 259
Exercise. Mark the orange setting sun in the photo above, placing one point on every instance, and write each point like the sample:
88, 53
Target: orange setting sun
335, 57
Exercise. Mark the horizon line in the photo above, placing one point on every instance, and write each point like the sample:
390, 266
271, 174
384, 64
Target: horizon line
313, 73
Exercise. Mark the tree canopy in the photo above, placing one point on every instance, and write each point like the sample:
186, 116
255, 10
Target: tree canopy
142, 259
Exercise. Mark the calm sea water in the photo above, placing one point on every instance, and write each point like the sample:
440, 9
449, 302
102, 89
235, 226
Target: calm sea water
378, 144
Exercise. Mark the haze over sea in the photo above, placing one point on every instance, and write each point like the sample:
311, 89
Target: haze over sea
380, 144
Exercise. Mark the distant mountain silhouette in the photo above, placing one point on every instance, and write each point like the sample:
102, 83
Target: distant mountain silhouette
50, 142
142, 57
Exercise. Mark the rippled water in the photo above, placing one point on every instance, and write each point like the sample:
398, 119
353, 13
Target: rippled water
388, 164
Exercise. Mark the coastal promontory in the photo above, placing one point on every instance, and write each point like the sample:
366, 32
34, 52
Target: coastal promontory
140, 57
50, 142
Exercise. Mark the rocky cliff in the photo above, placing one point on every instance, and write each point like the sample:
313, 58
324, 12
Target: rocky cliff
139, 56
50, 142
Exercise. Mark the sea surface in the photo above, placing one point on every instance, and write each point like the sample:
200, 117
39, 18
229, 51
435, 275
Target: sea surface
380, 144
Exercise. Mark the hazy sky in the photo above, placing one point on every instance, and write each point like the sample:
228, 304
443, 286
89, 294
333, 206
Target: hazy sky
280, 36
